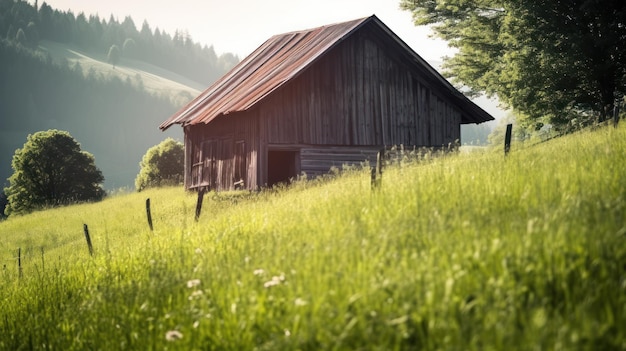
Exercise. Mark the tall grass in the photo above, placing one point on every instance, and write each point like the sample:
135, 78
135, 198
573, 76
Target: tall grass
471, 251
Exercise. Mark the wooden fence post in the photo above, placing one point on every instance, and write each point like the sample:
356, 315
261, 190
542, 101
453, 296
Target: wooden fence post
88, 238
19, 261
507, 139
149, 214
199, 204
616, 108
377, 171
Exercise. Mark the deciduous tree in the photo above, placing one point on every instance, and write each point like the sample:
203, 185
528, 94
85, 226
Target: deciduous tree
162, 164
114, 55
52, 170
556, 59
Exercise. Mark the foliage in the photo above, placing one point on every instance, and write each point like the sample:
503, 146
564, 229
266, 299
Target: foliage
475, 134
162, 164
51, 170
129, 48
94, 34
113, 119
3, 204
464, 252
519, 132
114, 55
554, 59
20, 37
37, 93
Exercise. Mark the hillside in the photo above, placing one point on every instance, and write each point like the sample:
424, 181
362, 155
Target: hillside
153, 79
469, 251
54, 75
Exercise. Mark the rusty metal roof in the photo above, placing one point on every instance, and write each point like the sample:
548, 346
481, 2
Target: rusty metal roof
282, 58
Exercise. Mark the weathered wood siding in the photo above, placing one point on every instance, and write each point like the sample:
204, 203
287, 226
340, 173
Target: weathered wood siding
361, 96
316, 161
221, 153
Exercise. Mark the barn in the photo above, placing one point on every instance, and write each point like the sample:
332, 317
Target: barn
308, 100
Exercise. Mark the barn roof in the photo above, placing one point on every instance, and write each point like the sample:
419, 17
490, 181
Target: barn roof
282, 58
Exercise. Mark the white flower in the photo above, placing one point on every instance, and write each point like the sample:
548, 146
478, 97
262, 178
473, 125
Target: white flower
258, 271
193, 283
173, 335
276, 280
299, 302
195, 294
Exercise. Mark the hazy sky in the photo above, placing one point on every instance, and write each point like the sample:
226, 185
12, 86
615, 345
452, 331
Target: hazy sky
240, 26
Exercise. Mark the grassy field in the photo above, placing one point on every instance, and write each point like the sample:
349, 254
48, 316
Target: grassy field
472, 251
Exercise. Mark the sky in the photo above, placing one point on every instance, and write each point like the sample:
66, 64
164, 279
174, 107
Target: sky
240, 26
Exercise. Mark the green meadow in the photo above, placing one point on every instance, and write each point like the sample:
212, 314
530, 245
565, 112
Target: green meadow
467, 251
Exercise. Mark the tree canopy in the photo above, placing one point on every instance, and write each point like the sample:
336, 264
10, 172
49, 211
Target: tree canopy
557, 60
51, 170
162, 164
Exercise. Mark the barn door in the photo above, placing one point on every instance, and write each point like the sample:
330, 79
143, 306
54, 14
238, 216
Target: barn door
209, 164
282, 166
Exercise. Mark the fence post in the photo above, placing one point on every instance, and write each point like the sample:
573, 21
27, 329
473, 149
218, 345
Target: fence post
507, 138
149, 214
616, 108
88, 238
199, 203
19, 261
377, 171
379, 163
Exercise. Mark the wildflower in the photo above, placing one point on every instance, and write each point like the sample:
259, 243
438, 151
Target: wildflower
287, 333
193, 283
173, 335
299, 302
258, 271
195, 294
276, 280
198, 251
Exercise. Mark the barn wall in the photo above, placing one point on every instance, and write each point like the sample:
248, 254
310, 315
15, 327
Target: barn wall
220, 154
358, 94
316, 161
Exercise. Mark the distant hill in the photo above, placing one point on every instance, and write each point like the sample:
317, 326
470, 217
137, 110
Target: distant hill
151, 78
55, 74
114, 116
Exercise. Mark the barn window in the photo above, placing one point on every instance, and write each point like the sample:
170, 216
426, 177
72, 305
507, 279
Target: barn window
282, 166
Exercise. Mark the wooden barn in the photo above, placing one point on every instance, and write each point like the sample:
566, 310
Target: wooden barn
309, 100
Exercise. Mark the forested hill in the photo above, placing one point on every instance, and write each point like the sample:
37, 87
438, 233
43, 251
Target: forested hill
177, 53
57, 71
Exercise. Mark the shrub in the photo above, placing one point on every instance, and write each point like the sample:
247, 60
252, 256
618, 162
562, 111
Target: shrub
162, 164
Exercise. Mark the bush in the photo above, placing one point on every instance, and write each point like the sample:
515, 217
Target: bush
51, 170
162, 164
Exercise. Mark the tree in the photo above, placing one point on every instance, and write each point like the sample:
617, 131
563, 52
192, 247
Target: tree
32, 34
3, 204
129, 48
51, 170
162, 164
556, 59
114, 55
20, 37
